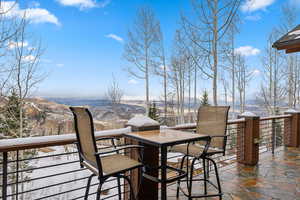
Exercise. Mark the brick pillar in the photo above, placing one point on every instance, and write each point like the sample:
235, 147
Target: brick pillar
248, 140
147, 188
292, 129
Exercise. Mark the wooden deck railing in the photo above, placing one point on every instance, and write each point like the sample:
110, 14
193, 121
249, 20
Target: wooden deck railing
23, 159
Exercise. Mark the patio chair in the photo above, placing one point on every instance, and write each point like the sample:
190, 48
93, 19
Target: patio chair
103, 164
212, 121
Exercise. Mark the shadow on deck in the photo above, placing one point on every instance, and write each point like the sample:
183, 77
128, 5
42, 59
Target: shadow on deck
275, 177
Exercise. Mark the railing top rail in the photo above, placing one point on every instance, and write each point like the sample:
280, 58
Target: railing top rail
57, 140
193, 125
275, 117
7, 145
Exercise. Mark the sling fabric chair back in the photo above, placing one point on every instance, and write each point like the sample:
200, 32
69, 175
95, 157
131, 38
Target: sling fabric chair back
212, 120
84, 128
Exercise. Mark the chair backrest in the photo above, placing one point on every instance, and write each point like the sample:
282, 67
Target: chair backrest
212, 120
84, 128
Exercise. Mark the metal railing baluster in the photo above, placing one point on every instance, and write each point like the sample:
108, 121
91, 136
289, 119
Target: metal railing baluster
4, 176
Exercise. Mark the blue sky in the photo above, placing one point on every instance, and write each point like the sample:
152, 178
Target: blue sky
84, 41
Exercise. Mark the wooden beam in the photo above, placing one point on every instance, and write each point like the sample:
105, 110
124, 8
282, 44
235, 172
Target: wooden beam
289, 46
293, 50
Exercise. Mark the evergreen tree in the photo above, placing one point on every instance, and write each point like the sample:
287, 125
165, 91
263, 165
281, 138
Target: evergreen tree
204, 99
10, 126
153, 112
10, 115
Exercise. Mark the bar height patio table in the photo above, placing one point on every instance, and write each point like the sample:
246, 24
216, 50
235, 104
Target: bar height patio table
161, 139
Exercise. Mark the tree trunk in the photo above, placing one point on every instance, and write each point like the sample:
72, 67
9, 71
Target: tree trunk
195, 91
233, 76
147, 83
215, 53
165, 91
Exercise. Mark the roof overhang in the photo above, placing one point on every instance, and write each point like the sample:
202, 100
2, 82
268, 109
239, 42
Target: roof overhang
290, 42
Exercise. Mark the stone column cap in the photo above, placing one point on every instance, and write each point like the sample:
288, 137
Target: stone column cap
248, 114
291, 110
142, 121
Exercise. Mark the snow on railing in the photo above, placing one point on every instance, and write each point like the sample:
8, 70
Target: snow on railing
53, 140
193, 125
50, 169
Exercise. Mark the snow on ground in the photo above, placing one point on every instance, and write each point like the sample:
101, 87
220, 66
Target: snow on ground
56, 160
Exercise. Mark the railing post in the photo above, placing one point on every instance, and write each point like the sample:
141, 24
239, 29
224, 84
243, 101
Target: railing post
4, 176
147, 189
248, 142
292, 129
274, 131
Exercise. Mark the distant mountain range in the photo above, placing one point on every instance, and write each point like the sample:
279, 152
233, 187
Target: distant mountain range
80, 101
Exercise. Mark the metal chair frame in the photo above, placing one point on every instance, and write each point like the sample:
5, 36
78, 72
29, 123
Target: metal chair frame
205, 156
103, 177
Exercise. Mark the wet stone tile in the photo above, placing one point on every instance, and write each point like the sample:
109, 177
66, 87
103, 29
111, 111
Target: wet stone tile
275, 177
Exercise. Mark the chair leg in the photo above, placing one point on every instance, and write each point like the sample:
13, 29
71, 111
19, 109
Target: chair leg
204, 174
99, 191
187, 171
119, 188
208, 169
178, 182
88, 187
217, 177
191, 179
132, 196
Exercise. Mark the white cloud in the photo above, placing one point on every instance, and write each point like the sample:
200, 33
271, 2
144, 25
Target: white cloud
132, 81
29, 58
253, 5
247, 51
13, 44
115, 37
84, 4
256, 72
34, 15
60, 65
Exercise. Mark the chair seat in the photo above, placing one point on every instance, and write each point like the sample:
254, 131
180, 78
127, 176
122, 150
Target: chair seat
194, 150
114, 164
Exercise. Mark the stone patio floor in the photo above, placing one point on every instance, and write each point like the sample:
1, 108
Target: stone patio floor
275, 177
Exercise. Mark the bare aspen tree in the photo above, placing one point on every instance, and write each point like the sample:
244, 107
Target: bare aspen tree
289, 22
195, 59
161, 67
229, 57
9, 26
26, 74
114, 93
213, 18
178, 73
272, 90
225, 85
243, 76
138, 50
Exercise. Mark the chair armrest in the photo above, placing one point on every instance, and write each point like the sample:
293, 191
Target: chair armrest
212, 136
105, 138
225, 141
112, 140
118, 148
206, 146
